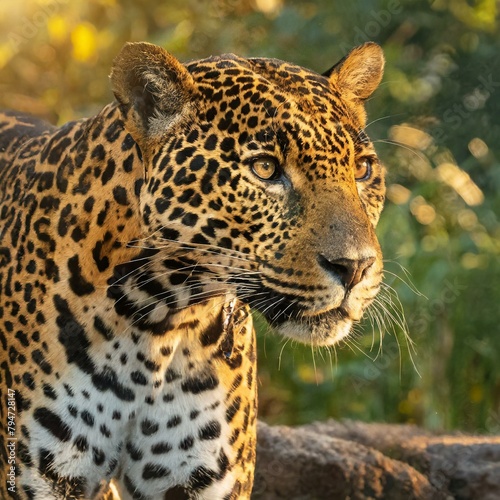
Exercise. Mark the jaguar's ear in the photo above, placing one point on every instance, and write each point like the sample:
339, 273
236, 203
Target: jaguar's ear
359, 72
152, 87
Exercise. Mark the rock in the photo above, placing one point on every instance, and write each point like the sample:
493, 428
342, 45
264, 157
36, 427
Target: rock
352, 460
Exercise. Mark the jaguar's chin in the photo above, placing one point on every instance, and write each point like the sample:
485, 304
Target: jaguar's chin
324, 329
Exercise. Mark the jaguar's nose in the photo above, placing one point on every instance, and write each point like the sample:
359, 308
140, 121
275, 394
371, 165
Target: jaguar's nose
349, 271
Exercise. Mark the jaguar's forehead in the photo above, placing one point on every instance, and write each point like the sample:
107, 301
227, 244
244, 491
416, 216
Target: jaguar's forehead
273, 69
270, 95
231, 75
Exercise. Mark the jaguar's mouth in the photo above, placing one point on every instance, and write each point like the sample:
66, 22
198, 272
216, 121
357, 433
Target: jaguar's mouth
291, 317
327, 328
318, 328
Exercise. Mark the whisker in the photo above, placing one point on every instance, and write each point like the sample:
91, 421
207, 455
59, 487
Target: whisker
403, 146
281, 352
383, 118
408, 282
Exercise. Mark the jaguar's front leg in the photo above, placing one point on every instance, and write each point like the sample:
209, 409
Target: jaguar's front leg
198, 439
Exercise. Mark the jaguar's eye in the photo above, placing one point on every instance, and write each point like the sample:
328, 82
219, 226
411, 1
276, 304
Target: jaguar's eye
266, 168
363, 169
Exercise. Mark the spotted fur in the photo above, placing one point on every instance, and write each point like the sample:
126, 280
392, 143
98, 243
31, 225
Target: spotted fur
133, 244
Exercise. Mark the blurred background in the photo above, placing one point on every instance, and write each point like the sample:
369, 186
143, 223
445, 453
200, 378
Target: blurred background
435, 121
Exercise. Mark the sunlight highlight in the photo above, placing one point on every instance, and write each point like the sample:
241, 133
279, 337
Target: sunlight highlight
58, 29
410, 136
84, 41
478, 148
269, 7
423, 211
461, 182
398, 194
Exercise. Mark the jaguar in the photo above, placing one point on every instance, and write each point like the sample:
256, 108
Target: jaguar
134, 246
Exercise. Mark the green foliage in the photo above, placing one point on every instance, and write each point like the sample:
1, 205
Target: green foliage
436, 123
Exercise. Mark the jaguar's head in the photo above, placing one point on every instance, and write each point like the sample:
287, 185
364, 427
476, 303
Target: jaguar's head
260, 178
